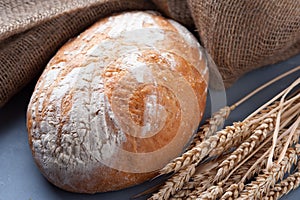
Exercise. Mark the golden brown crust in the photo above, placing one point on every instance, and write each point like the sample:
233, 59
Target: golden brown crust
117, 103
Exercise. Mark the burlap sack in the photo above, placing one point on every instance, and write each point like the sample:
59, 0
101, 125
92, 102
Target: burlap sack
239, 35
242, 35
177, 10
32, 30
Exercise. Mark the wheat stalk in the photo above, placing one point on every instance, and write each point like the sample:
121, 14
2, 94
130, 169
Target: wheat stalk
194, 156
236, 187
177, 181
232, 191
254, 165
206, 180
241, 171
252, 123
293, 129
208, 143
273, 99
277, 125
265, 85
210, 128
282, 137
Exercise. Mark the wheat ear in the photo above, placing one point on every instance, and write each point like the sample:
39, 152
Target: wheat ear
195, 155
174, 183
211, 126
206, 180
264, 181
185, 171
259, 134
212, 192
233, 186
285, 186
225, 137
203, 177
255, 164
207, 130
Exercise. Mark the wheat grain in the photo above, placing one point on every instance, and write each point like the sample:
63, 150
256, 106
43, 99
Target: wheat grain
203, 181
201, 187
182, 193
211, 193
232, 192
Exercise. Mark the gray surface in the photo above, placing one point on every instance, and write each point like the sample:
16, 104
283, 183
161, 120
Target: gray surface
21, 180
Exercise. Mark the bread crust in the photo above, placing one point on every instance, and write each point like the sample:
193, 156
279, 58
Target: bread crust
117, 103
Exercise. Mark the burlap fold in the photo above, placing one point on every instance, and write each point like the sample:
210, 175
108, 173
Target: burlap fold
242, 35
32, 30
177, 10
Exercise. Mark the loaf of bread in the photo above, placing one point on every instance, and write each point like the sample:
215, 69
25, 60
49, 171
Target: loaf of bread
117, 103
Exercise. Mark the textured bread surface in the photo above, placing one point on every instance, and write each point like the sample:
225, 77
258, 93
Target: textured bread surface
117, 103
